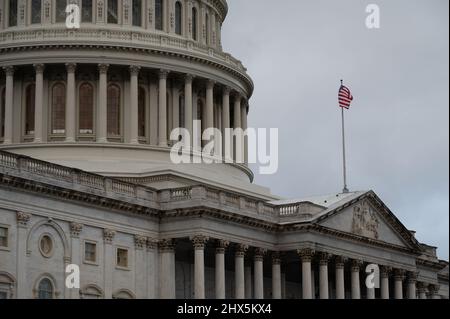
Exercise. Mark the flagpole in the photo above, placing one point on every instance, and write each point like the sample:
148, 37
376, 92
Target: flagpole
345, 189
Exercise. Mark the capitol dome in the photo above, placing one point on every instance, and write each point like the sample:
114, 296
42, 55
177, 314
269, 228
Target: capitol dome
104, 97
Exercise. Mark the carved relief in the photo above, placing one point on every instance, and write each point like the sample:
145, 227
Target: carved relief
365, 221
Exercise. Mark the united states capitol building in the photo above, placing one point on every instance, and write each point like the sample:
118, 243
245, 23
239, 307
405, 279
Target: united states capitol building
86, 176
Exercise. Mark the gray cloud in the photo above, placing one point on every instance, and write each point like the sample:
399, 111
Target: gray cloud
397, 130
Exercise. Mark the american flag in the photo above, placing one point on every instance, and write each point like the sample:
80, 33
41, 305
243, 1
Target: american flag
345, 97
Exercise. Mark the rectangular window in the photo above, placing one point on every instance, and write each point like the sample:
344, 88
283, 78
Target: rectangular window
3, 237
159, 11
137, 13
61, 10
113, 11
90, 252
86, 11
13, 13
36, 11
122, 257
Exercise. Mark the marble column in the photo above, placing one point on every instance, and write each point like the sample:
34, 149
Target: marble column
209, 104
152, 269
227, 149
76, 258
239, 271
39, 104
259, 272
434, 291
22, 230
71, 110
422, 290
283, 285
323, 275
167, 269
9, 104
384, 281
356, 289
412, 280
108, 237
276, 275
162, 105
140, 265
222, 245
134, 104
340, 283
188, 116
248, 279
238, 141
306, 255
399, 276
102, 109
244, 128
199, 265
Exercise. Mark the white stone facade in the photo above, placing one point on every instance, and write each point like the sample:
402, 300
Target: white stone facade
86, 178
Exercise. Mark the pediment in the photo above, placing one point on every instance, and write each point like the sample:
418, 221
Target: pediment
368, 217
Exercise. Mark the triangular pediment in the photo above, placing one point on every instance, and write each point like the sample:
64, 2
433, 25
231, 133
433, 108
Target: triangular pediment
368, 217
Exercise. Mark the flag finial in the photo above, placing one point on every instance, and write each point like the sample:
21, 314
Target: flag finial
342, 82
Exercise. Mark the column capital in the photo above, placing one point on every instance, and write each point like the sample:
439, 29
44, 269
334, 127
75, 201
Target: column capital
134, 70
23, 219
324, 258
140, 241
240, 250
399, 274
356, 265
306, 254
276, 258
433, 289
221, 246
210, 84
103, 68
412, 277
108, 235
199, 241
71, 67
188, 78
9, 70
163, 74
152, 243
226, 90
166, 245
75, 229
39, 67
422, 287
259, 254
340, 261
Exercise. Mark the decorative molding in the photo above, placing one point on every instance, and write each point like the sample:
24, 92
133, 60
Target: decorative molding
39, 68
134, 70
365, 222
152, 243
240, 250
140, 242
276, 258
221, 246
166, 245
103, 68
399, 274
324, 258
356, 265
306, 254
71, 67
259, 254
75, 229
108, 235
199, 241
23, 219
340, 261
385, 271
9, 70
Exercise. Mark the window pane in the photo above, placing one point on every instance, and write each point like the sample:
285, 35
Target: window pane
3, 237
141, 111
194, 24
45, 289
2, 113
113, 15
122, 257
113, 110
29, 109
36, 11
86, 11
12, 13
61, 10
86, 116
178, 17
90, 252
159, 13
59, 109
137, 13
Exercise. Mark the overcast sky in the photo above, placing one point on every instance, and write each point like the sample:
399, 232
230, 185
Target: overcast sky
397, 130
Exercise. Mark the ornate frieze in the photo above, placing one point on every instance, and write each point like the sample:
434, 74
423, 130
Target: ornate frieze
365, 222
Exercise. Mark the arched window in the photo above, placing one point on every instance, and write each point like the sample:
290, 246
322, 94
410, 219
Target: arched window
113, 11
113, 113
86, 109
194, 24
61, 10
12, 13
178, 17
45, 289
137, 13
2, 112
36, 11
29, 109
141, 112
207, 28
86, 11
159, 14
59, 108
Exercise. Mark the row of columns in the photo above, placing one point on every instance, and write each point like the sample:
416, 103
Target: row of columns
242, 284
239, 111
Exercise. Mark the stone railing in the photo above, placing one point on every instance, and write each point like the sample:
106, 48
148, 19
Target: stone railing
179, 198
118, 37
